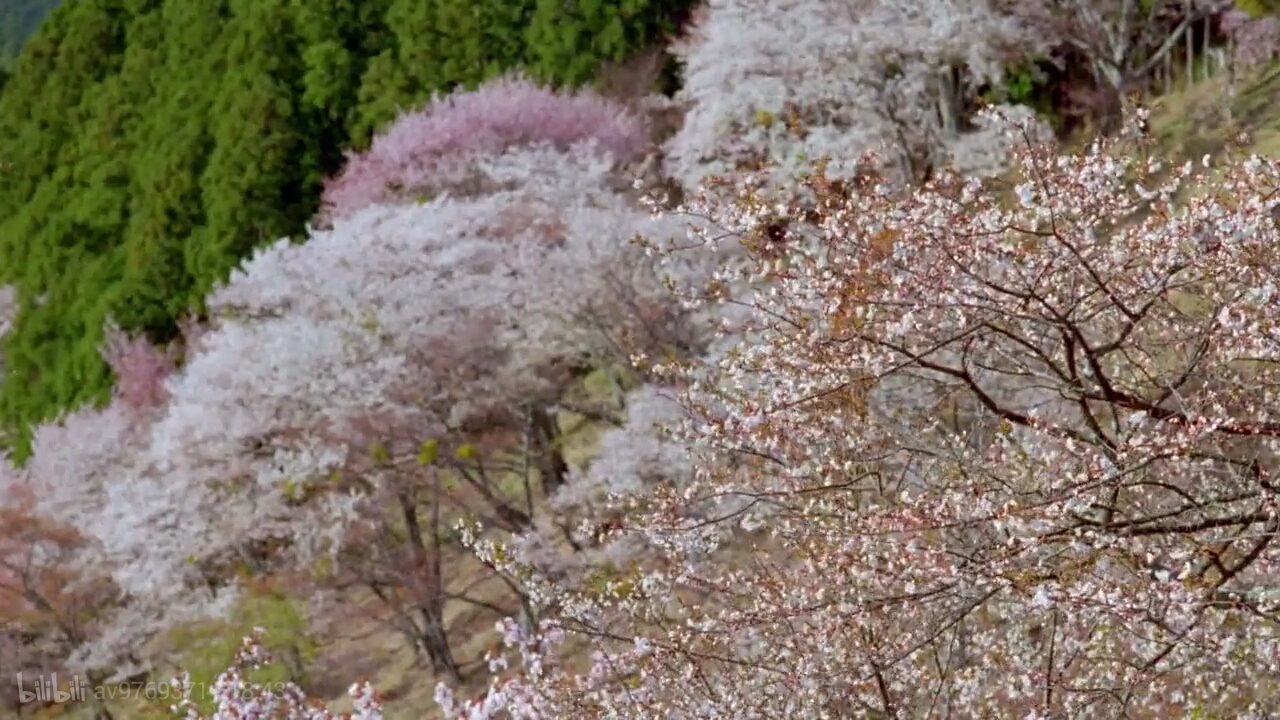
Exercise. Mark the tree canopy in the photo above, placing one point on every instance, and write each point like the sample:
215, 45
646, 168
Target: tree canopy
150, 145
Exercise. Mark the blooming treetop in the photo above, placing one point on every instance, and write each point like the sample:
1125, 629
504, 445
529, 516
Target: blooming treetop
1008, 451
461, 302
436, 149
80, 479
781, 83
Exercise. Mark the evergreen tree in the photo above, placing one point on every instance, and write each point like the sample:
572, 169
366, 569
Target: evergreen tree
394, 79
261, 180
173, 145
341, 37
569, 39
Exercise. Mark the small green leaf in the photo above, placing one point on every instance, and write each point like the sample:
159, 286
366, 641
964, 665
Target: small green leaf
429, 452
293, 489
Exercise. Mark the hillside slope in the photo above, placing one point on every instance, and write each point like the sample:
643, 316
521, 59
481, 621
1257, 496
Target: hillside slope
423, 359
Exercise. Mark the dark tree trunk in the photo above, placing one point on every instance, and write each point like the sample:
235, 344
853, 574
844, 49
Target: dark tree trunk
432, 637
435, 642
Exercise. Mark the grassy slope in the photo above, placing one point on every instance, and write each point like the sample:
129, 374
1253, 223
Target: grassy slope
1203, 119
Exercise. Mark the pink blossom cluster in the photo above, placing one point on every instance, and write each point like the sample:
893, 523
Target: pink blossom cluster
140, 370
433, 149
1007, 452
1255, 40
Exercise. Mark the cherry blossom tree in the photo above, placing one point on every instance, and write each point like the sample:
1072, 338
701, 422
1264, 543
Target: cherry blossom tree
297, 432
784, 83
435, 149
1254, 41
52, 603
63, 521
292, 434
1001, 450
140, 369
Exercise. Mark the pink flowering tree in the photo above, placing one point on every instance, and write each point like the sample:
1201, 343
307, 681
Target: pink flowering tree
437, 148
64, 518
57, 596
358, 392
1254, 40
997, 450
140, 369
354, 394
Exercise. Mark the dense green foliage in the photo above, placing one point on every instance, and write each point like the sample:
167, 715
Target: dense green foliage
1030, 84
150, 145
18, 20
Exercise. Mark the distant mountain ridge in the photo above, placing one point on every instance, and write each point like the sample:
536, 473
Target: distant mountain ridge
18, 21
